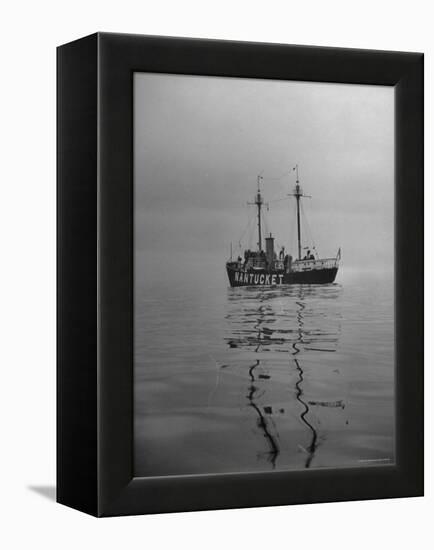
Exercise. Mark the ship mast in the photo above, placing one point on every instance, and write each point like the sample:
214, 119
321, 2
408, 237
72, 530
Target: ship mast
298, 193
259, 202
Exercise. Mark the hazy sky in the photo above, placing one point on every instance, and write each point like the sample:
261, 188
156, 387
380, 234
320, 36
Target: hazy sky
201, 141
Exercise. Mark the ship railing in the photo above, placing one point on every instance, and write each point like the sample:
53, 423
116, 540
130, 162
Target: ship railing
308, 265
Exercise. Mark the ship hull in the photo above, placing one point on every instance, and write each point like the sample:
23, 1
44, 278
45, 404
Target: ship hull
278, 278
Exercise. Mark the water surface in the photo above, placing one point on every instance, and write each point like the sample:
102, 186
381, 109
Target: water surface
261, 379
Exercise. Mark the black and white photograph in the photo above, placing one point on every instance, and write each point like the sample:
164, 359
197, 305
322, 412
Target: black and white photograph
264, 328
217, 263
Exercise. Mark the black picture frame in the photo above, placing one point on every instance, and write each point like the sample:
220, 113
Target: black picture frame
95, 273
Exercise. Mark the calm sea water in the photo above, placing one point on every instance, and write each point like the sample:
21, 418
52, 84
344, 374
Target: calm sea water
261, 379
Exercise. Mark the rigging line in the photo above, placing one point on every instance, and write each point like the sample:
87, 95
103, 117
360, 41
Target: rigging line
305, 230
266, 225
291, 234
249, 222
284, 191
251, 238
243, 233
309, 231
276, 178
279, 200
288, 240
277, 245
292, 242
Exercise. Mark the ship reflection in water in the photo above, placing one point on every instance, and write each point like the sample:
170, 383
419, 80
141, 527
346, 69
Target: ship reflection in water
276, 378
300, 322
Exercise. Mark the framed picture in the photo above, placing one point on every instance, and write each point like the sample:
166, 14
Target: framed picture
240, 274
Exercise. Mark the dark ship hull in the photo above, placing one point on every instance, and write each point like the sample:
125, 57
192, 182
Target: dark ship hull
239, 277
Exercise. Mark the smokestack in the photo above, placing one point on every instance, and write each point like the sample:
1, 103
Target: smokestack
269, 249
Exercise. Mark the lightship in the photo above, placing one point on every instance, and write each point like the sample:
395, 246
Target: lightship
264, 268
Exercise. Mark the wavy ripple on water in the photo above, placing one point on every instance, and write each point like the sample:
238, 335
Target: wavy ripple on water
271, 378
290, 320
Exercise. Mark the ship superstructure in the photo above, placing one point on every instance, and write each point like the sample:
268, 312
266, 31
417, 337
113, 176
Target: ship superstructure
264, 267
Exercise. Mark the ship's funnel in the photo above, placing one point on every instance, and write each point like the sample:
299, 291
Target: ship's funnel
269, 249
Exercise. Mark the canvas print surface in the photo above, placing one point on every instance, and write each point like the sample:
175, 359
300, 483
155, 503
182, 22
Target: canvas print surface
263, 275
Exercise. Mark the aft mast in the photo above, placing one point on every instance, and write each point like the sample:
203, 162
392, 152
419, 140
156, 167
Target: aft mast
298, 193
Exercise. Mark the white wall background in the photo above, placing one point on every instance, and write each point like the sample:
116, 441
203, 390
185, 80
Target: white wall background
30, 31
